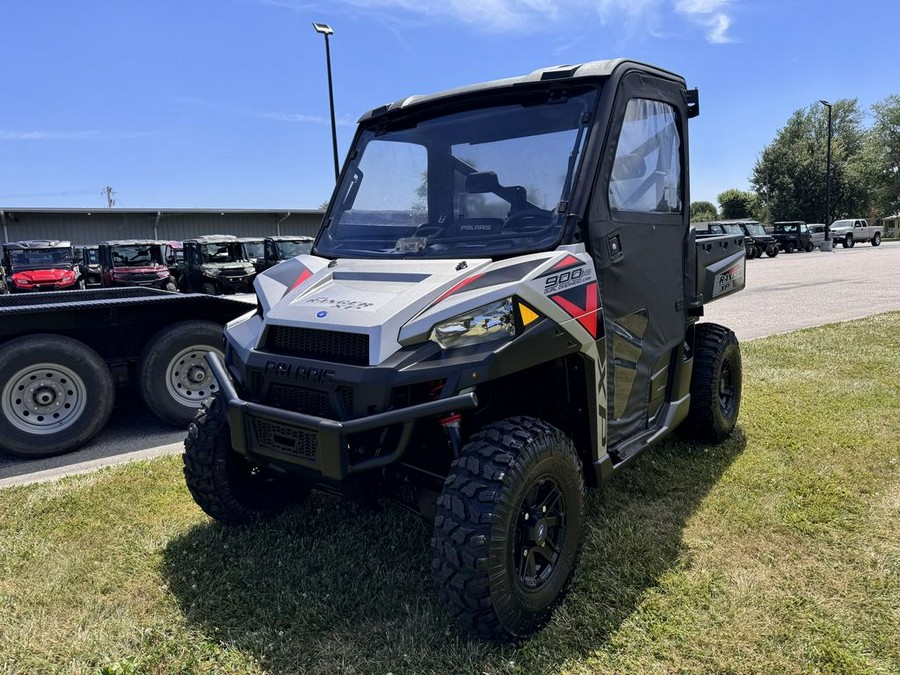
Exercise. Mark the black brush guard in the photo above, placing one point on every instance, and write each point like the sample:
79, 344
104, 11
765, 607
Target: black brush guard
316, 443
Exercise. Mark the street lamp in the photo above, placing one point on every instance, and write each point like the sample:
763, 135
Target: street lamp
325, 30
826, 245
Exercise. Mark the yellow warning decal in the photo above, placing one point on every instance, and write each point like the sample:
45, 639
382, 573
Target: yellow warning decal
528, 315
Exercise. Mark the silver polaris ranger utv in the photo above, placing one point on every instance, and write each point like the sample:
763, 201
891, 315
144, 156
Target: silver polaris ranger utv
500, 308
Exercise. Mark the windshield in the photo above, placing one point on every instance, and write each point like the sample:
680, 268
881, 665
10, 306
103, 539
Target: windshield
481, 182
36, 258
755, 230
136, 256
253, 249
291, 249
221, 253
732, 229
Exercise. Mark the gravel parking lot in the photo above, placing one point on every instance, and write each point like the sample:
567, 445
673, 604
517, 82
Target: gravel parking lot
783, 294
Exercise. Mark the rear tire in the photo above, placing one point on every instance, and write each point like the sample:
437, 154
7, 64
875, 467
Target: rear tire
507, 533
876, 240
790, 247
55, 394
715, 384
222, 482
174, 376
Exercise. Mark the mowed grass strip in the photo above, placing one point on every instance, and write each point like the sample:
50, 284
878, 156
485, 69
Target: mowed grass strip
777, 551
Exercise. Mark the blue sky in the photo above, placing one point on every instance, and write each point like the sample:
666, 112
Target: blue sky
223, 103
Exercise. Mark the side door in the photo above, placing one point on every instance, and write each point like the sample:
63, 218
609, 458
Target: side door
638, 231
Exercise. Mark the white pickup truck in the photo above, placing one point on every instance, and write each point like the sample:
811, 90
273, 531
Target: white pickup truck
851, 230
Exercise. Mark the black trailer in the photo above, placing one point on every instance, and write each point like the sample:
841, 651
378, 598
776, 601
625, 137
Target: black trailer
63, 354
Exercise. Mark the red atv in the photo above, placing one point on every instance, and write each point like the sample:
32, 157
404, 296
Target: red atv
41, 265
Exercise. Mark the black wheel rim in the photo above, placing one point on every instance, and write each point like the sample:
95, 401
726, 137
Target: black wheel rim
726, 388
539, 534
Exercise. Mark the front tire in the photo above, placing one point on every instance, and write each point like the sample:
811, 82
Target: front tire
223, 483
772, 250
174, 376
790, 247
507, 533
715, 384
848, 241
55, 394
809, 247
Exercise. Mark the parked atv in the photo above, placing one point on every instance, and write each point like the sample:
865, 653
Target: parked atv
756, 238
284, 247
216, 264
135, 262
525, 329
792, 235
255, 251
41, 265
88, 259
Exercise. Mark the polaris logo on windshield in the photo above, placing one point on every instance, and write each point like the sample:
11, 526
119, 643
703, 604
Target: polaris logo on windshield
309, 374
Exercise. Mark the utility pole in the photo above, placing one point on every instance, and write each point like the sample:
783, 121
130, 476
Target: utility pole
826, 245
110, 195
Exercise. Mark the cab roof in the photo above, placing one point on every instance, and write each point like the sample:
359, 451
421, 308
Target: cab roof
592, 70
36, 243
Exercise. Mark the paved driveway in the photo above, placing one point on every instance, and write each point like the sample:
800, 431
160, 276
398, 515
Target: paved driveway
783, 294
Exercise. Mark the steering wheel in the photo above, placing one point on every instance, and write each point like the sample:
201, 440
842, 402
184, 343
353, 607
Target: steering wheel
528, 221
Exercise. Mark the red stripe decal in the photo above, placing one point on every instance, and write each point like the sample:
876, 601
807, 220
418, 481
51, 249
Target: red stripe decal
568, 261
462, 284
304, 275
587, 315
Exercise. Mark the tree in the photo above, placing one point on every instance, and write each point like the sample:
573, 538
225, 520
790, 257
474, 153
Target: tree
881, 155
703, 211
737, 204
789, 175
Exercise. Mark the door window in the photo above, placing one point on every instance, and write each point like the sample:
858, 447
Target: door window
646, 172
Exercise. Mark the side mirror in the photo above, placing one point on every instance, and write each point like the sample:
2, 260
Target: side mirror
482, 182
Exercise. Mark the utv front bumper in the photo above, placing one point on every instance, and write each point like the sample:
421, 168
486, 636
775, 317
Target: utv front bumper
317, 444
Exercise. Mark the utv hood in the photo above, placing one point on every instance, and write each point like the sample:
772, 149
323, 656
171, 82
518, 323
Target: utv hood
227, 269
394, 302
51, 276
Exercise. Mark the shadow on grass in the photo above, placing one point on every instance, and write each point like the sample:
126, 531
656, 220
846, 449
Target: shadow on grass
328, 587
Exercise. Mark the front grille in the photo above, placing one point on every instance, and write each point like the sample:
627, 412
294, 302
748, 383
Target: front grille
310, 401
327, 345
300, 399
284, 439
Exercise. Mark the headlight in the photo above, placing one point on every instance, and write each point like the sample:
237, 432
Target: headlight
489, 322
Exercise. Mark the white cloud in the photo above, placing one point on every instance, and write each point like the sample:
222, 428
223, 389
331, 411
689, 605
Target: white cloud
653, 17
711, 14
277, 115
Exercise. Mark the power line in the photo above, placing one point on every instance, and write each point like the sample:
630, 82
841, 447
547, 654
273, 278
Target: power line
65, 193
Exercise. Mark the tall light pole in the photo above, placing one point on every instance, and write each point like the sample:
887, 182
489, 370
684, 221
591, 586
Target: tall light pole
826, 245
325, 30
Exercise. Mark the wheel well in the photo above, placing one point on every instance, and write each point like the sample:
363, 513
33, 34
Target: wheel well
555, 391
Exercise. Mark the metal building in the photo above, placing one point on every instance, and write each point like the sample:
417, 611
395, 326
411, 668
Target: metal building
91, 226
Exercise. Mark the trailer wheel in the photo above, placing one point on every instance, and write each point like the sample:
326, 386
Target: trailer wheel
876, 239
223, 483
507, 532
715, 383
174, 376
57, 393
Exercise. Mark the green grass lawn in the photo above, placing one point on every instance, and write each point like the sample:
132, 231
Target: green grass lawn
776, 552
